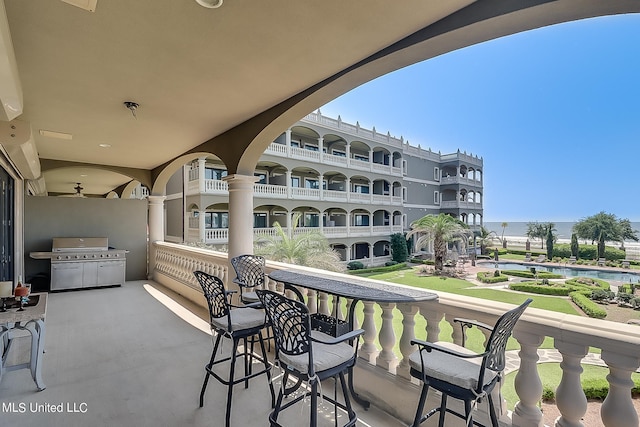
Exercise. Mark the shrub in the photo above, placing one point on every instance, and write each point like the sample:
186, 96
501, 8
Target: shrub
399, 247
624, 298
563, 250
355, 265
588, 282
536, 288
602, 295
488, 277
398, 266
390, 263
530, 275
589, 307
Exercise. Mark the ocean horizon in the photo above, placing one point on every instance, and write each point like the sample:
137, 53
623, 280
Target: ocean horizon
520, 228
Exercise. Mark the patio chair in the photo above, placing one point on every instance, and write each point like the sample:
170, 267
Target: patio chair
527, 256
541, 258
602, 262
308, 356
235, 323
461, 373
572, 259
249, 275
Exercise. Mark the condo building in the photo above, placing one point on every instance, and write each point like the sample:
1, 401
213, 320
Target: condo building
354, 185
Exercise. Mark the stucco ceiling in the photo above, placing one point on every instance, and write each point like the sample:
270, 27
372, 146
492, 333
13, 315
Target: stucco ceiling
196, 73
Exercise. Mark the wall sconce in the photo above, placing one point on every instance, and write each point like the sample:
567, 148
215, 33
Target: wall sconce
210, 4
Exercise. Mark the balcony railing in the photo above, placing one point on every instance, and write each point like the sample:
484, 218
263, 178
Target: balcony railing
385, 379
459, 180
457, 204
218, 187
221, 235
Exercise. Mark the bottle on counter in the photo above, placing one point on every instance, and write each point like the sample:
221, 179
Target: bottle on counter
20, 291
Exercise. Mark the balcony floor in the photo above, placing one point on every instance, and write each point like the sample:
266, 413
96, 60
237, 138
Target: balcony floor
135, 355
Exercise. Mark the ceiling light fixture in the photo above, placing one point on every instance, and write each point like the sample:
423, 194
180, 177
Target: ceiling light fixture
210, 4
58, 135
133, 106
105, 145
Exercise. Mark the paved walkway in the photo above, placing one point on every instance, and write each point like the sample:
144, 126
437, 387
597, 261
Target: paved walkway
548, 355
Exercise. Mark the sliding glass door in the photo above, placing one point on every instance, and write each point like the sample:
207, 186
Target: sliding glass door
6, 226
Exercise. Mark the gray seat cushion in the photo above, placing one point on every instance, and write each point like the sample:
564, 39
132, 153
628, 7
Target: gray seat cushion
325, 356
250, 296
455, 370
241, 318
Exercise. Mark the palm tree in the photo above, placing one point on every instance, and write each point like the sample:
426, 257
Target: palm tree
504, 225
441, 229
310, 249
484, 237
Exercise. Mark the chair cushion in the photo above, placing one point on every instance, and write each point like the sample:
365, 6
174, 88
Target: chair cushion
325, 356
446, 367
241, 318
250, 296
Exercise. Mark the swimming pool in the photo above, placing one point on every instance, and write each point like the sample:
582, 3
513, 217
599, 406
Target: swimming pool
614, 276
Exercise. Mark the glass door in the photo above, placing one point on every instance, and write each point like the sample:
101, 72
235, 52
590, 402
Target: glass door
6, 226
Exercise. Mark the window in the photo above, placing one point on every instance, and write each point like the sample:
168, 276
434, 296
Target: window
436, 197
295, 144
259, 220
295, 181
405, 167
262, 177
310, 147
404, 194
213, 173
338, 153
360, 157
361, 220
359, 188
216, 220
311, 183
311, 220
436, 174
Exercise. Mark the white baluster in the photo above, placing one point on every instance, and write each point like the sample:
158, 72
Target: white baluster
433, 318
617, 409
387, 359
527, 382
408, 333
457, 334
570, 398
312, 301
324, 304
368, 350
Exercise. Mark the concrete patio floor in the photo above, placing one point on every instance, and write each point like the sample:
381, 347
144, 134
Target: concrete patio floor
134, 356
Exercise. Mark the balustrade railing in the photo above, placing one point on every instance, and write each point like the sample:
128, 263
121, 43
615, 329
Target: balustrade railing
387, 348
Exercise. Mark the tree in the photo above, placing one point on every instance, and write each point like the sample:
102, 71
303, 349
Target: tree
504, 225
399, 251
440, 229
310, 249
539, 230
550, 240
604, 227
575, 249
483, 236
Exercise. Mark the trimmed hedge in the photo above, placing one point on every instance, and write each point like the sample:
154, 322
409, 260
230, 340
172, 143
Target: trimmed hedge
355, 265
589, 307
563, 250
580, 282
529, 275
593, 389
399, 266
490, 277
537, 288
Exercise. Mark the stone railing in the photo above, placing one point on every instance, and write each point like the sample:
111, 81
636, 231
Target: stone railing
385, 379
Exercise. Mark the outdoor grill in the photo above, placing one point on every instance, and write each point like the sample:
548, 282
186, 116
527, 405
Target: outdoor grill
84, 262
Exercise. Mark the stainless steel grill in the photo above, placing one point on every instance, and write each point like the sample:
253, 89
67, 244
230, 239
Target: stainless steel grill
84, 262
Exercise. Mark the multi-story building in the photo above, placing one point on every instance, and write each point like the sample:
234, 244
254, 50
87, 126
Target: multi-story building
355, 185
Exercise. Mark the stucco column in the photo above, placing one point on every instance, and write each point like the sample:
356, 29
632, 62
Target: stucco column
156, 228
288, 178
347, 150
202, 161
287, 141
240, 214
320, 148
201, 226
320, 189
289, 214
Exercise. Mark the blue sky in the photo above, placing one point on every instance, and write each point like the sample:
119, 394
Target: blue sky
554, 112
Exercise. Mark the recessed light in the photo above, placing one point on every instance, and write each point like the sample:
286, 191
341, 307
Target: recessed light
105, 145
83, 174
58, 135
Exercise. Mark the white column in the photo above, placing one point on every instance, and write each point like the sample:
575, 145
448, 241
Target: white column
371, 233
287, 138
201, 226
409, 312
289, 227
527, 382
320, 185
202, 161
371, 162
288, 179
320, 148
368, 350
347, 184
240, 214
156, 228
370, 252
570, 398
387, 358
348, 154
618, 409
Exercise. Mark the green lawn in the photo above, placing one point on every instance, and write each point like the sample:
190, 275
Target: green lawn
475, 339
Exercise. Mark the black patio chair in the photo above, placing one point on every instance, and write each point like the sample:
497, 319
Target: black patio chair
308, 356
249, 276
461, 373
235, 323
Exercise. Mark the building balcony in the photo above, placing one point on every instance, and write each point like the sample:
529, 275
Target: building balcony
282, 150
457, 204
460, 180
217, 236
270, 191
382, 375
